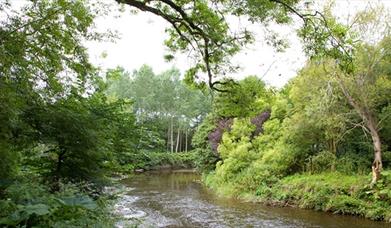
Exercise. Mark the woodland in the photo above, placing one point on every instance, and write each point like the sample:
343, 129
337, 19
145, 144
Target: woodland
321, 142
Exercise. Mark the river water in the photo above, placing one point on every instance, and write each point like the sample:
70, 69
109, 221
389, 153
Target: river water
178, 199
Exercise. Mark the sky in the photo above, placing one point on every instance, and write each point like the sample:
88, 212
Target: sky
141, 38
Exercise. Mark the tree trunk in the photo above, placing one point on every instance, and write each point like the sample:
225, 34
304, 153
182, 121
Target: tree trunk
57, 175
371, 127
333, 150
59, 162
168, 139
377, 162
186, 142
181, 143
172, 136
177, 140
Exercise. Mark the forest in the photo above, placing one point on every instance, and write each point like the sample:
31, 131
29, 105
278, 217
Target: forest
320, 142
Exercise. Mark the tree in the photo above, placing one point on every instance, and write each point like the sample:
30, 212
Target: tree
356, 67
247, 97
166, 109
41, 48
75, 134
41, 60
361, 91
320, 114
201, 29
56, 127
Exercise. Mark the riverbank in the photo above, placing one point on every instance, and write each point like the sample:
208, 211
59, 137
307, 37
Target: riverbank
179, 199
151, 160
329, 192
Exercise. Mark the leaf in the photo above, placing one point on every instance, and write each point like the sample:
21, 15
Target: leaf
7, 221
38, 209
80, 201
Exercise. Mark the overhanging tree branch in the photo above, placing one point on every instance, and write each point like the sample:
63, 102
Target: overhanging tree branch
194, 35
214, 48
310, 20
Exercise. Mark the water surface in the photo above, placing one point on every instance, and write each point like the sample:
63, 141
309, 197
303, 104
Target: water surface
178, 199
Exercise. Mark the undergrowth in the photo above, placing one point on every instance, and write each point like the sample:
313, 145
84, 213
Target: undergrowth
329, 191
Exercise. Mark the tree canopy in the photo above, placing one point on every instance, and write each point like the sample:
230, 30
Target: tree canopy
201, 28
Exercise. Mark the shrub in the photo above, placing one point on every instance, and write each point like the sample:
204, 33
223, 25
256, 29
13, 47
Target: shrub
352, 163
343, 204
323, 161
206, 158
151, 160
31, 204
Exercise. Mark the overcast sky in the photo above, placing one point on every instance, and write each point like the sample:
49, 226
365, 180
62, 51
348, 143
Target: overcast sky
142, 35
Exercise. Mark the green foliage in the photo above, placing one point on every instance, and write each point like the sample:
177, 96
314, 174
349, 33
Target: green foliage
244, 166
152, 160
28, 203
39, 43
56, 126
353, 163
206, 158
44, 73
73, 131
247, 98
333, 192
336, 193
325, 37
202, 30
323, 161
162, 103
313, 129
9, 161
156, 160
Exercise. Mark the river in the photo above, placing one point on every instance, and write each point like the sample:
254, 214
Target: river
178, 199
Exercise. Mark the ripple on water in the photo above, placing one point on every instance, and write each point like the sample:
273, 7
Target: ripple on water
175, 200
125, 209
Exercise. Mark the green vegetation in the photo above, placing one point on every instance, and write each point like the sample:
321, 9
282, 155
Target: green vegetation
54, 136
64, 129
313, 148
150, 160
328, 191
167, 110
28, 203
310, 144
63, 132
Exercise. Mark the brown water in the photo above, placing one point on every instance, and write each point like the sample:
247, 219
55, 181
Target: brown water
180, 200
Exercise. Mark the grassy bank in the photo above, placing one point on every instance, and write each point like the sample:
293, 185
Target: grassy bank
330, 192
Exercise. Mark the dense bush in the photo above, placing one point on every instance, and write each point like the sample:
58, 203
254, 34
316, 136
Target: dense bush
149, 160
57, 127
323, 161
337, 193
153, 160
31, 204
206, 157
309, 150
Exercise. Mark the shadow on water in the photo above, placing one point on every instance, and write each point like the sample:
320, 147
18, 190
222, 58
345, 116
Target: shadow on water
178, 199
